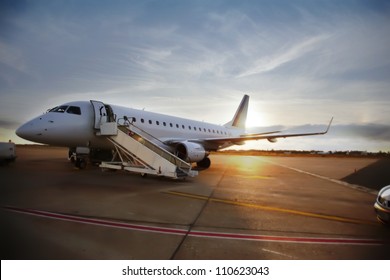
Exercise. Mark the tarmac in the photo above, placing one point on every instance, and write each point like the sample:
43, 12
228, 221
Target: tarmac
242, 207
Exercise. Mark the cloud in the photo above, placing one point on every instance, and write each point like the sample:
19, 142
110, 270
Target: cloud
13, 66
9, 124
372, 132
298, 61
12, 57
284, 55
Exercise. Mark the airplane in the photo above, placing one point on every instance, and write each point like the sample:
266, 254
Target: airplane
74, 125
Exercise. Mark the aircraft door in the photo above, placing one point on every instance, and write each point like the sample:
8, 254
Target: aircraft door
100, 113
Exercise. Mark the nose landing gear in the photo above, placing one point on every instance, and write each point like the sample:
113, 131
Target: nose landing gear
81, 163
79, 157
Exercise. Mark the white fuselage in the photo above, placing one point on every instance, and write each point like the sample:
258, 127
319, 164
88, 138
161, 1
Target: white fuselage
68, 126
78, 125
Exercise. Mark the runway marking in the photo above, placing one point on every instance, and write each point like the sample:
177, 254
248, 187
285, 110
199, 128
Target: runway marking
274, 209
204, 234
99, 222
277, 253
287, 239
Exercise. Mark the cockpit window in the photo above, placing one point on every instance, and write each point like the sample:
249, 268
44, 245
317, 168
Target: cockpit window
59, 109
74, 110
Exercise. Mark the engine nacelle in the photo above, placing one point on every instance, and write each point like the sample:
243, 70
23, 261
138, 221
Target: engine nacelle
272, 140
190, 152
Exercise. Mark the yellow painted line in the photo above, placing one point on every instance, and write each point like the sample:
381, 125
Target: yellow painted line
274, 209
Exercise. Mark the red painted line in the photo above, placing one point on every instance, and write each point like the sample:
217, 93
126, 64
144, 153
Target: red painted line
99, 222
165, 230
287, 239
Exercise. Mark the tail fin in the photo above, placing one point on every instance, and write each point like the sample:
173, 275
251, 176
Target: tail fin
239, 118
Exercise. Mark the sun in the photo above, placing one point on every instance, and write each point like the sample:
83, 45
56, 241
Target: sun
255, 119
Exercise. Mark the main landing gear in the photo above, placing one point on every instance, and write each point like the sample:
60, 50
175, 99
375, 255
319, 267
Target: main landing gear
204, 163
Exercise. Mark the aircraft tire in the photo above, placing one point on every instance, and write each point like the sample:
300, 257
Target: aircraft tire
204, 163
81, 163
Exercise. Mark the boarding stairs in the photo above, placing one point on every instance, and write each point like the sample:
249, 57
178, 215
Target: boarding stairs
137, 151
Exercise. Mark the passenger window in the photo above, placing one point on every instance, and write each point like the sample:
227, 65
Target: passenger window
150, 122
142, 120
60, 109
164, 124
157, 122
177, 126
170, 124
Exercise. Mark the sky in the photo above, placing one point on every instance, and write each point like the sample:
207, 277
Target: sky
301, 63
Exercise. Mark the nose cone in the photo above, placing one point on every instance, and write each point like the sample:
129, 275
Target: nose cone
28, 131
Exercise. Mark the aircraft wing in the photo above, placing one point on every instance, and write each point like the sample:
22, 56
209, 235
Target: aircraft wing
216, 143
274, 135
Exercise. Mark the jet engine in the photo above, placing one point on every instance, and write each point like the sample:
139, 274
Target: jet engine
190, 152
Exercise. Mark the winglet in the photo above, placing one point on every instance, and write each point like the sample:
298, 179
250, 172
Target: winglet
327, 129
